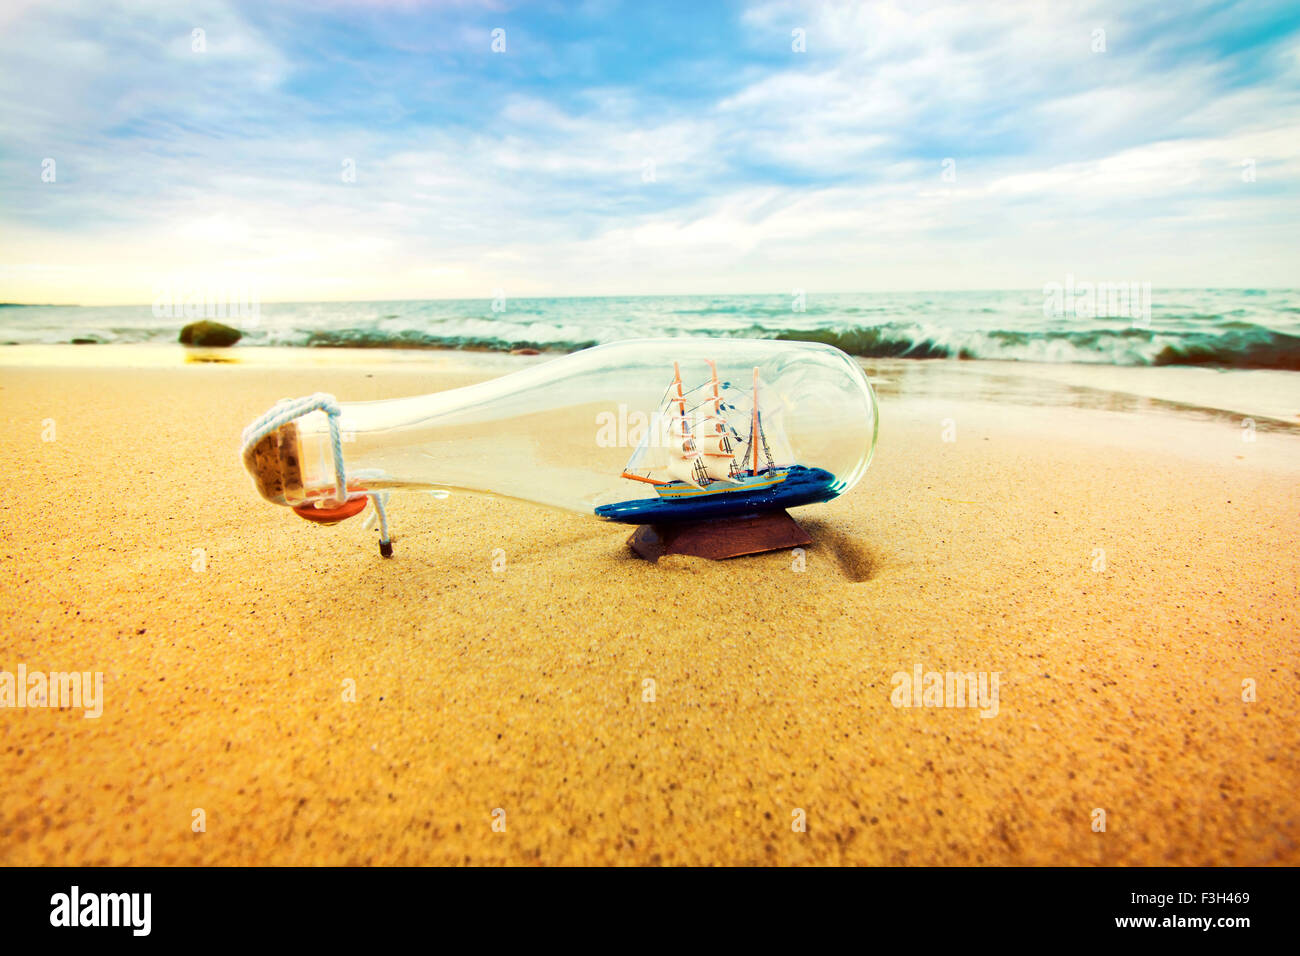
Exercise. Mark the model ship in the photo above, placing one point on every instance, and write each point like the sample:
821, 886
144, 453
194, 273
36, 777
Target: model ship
715, 451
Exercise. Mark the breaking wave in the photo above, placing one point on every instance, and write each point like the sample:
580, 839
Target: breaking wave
1248, 328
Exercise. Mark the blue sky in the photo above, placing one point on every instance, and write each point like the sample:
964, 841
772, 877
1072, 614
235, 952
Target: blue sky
617, 148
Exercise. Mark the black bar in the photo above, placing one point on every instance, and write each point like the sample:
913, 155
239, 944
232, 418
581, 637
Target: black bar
962, 907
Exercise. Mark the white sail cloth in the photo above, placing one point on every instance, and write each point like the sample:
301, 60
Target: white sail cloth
675, 444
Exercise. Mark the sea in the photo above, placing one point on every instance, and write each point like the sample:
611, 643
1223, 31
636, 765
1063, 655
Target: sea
1217, 352
1228, 328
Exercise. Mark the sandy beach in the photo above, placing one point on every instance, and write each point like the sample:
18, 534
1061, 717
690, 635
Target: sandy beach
1122, 567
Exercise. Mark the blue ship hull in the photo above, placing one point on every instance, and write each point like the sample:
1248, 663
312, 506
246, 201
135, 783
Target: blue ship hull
803, 486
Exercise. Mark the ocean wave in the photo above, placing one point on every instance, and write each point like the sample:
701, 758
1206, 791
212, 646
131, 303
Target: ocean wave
365, 338
1233, 349
1220, 328
1241, 346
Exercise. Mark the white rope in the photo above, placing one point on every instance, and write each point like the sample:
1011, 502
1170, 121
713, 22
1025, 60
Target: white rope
289, 409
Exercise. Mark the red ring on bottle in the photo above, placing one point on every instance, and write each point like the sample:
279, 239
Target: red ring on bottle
331, 514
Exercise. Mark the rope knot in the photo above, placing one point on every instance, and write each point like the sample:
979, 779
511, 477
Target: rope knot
289, 409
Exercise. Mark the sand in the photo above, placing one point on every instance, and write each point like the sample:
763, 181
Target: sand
229, 633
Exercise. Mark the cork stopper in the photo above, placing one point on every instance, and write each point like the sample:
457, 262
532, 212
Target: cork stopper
274, 463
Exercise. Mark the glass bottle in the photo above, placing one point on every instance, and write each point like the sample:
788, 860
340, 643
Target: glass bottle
639, 431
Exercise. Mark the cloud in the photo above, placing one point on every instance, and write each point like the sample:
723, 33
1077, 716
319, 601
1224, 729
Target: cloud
614, 149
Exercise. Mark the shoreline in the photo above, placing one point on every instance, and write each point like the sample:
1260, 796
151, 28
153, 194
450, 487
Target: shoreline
1271, 398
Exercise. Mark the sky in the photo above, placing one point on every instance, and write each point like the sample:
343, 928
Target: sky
339, 150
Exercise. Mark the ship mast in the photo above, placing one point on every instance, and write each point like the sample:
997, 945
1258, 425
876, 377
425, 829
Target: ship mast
756, 435
711, 438
687, 445
717, 398
689, 451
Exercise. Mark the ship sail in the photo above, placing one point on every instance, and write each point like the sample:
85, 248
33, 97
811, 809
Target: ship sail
716, 450
695, 437
713, 436
684, 463
651, 452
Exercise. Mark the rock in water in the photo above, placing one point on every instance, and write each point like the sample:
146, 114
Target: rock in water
209, 333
